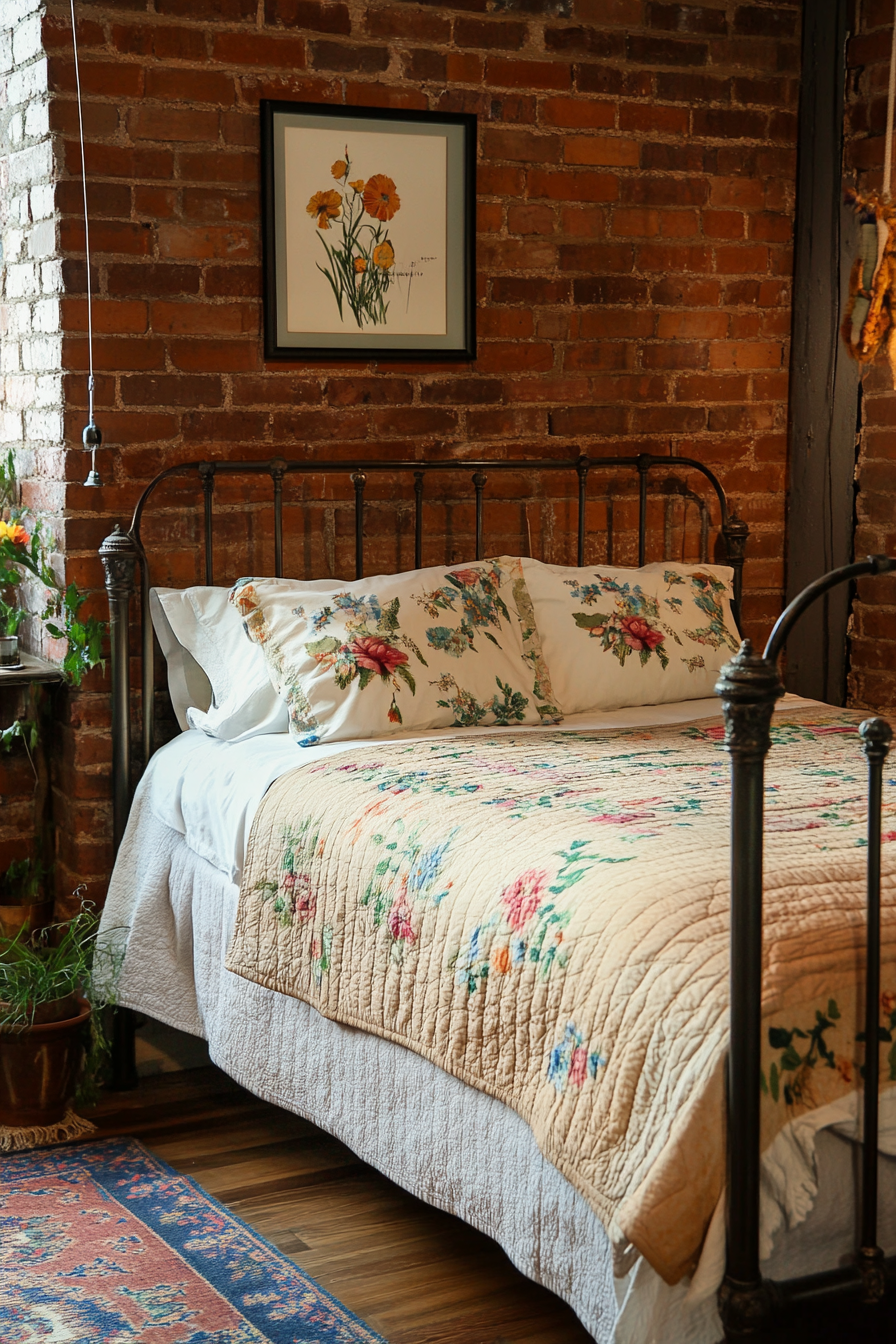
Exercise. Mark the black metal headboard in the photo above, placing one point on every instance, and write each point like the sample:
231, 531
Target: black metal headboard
121, 551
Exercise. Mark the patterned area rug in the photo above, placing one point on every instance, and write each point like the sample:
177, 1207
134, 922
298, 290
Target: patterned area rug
102, 1242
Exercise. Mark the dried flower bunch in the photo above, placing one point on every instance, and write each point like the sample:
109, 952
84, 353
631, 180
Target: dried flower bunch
360, 269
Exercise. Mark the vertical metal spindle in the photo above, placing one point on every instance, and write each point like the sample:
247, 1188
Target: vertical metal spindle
668, 520
610, 546
748, 687
582, 473
479, 480
278, 471
704, 533
207, 476
359, 480
643, 468
736, 533
876, 735
418, 519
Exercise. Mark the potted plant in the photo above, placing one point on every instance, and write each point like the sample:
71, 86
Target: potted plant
52, 1038
24, 904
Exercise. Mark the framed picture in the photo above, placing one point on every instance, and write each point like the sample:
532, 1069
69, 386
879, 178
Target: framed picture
369, 232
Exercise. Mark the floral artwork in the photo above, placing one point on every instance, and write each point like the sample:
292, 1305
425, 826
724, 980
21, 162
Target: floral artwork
632, 626
359, 265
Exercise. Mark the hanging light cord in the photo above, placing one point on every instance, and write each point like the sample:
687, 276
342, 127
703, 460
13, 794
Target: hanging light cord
891, 98
92, 437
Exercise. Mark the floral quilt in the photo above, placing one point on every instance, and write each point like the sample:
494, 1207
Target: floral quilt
545, 916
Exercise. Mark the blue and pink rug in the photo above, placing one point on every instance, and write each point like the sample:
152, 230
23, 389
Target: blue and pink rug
103, 1242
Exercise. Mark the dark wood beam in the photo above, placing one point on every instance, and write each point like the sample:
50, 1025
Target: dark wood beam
824, 378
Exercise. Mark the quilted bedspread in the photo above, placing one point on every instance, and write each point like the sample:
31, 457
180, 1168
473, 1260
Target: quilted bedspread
545, 915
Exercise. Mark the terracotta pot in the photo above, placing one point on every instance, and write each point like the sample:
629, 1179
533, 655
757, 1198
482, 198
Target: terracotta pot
39, 1066
32, 918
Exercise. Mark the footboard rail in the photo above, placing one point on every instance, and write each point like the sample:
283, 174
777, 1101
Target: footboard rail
749, 686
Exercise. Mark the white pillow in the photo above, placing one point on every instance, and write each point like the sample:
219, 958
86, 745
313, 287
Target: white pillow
240, 702
616, 637
427, 649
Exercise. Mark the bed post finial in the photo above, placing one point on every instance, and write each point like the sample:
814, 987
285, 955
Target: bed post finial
119, 556
748, 686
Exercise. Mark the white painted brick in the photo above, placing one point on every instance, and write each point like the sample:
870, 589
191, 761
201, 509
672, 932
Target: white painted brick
19, 319
43, 201
21, 280
10, 361
45, 316
30, 81
42, 353
27, 40
42, 238
10, 426
51, 276
49, 390
20, 391
31, 165
22, 209
14, 129
41, 425
6, 61
13, 242
37, 118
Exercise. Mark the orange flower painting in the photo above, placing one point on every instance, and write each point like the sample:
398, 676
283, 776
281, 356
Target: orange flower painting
324, 206
381, 200
360, 268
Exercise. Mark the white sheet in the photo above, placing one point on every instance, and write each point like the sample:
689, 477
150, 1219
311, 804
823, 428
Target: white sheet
209, 791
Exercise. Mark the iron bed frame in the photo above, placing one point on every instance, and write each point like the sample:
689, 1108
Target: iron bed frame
749, 686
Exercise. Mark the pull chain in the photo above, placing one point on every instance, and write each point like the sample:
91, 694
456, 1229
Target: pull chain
92, 436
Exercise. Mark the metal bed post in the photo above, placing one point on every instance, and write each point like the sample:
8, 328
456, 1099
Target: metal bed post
119, 556
749, 686
876, 735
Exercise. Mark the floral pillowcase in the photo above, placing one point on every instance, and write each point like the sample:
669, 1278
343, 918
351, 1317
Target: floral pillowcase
432, 648
618, 637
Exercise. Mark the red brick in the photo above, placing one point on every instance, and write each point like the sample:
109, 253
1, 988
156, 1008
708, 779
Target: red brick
494, 34
205, 242
573, 186
127, 318
692, 323
601, 149
310, 14
523, 146
169, 123
745, 355
577, 112
652, 119
200, 86
256, 49
344, 57
505, 73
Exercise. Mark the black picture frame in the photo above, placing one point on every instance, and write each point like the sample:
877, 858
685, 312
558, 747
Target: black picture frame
280, 213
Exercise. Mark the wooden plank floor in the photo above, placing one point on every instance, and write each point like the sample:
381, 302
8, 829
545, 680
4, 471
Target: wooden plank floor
415, 1274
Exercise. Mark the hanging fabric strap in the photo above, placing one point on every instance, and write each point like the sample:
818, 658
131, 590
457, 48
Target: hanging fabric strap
891, 98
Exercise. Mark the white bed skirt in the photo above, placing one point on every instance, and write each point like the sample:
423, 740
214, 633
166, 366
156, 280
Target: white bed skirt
442, 1140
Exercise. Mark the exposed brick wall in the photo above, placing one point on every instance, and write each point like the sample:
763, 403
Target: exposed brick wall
872, 678
635, 198
30, 341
